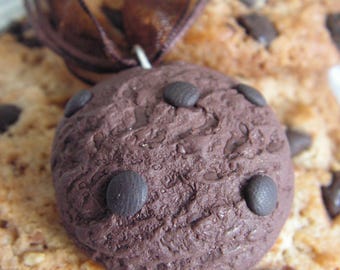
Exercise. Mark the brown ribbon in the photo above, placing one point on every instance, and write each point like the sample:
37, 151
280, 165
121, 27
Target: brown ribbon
92, 45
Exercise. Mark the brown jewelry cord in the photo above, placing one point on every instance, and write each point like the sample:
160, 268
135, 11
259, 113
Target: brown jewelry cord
115, 60
110, 48
52, 39
181, 28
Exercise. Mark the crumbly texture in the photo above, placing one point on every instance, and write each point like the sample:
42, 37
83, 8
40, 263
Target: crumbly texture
195, 162
295, 49
31, 236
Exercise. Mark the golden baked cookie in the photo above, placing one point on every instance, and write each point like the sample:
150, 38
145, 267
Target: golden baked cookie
218, 40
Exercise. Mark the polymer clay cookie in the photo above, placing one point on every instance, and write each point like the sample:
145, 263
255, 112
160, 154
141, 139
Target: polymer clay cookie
178, 167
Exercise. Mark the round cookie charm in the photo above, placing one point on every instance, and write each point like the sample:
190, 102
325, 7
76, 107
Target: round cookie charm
176, 167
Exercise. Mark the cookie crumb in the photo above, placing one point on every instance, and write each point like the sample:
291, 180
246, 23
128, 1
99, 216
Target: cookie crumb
33, 258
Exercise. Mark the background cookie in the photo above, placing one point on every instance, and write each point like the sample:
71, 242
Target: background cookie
31, 236
218, 38
293, 82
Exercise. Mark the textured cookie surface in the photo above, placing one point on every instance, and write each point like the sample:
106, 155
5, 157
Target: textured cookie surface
195, 162
220, 39
31, 236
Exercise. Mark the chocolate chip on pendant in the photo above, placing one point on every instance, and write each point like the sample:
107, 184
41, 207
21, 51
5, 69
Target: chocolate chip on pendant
126, 193
261, 195
181, 94
298, 141
251, 94
9, 115
78, 101
331, 195
258, 27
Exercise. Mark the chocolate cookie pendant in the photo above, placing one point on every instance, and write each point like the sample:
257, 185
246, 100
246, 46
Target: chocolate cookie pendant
171, 167
176, 167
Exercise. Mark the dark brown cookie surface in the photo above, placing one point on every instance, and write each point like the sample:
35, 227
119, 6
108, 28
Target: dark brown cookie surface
195, 162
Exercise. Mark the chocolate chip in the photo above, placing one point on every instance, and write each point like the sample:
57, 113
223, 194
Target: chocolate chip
249, 3
181, 94
3, 224
331, 196
251, 94
115, 17
333, 25
126, 193
253, 3
23, 32
261, 195
9, 115
259, 27
298, 141
288, 268
77, 102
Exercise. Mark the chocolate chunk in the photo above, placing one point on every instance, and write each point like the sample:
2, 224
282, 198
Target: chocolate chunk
331, 196
77, 102
298, 141
9, 115
114, 16
259, 27
333, 25
251, 94
181, 94
261, 195
126, 193
24, 34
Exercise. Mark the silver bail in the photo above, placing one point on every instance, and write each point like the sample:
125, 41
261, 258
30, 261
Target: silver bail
141, 56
